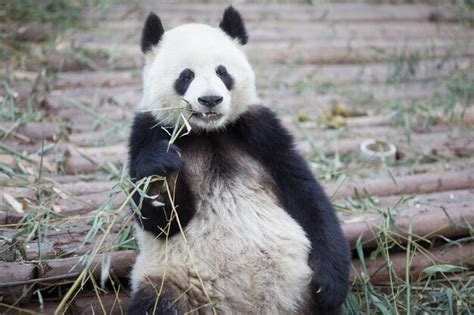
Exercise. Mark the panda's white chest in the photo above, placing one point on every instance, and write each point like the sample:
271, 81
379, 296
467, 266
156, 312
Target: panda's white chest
242, 250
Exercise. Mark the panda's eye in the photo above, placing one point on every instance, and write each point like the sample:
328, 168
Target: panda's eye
186, 75
183, 82
225, 76
221, 71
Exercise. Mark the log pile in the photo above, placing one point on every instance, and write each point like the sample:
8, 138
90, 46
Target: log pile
60, 172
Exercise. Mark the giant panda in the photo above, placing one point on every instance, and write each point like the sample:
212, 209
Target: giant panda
243, 227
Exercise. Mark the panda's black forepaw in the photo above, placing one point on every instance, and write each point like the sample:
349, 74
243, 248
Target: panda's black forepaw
161, 159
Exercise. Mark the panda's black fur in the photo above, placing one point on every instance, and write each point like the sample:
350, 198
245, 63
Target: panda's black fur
258, 134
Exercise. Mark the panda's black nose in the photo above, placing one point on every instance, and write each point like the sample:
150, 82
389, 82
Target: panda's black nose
210, 101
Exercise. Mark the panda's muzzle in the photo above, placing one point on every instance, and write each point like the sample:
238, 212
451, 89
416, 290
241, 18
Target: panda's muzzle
210, 101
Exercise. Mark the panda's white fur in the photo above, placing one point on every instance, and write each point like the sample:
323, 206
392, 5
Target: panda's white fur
201, 48
248, 251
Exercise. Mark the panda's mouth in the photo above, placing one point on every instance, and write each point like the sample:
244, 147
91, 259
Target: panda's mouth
209, 115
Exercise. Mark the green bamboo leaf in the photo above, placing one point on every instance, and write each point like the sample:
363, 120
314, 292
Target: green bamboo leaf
443, 268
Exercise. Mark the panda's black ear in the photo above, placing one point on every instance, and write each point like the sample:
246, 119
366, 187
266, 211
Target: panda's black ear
233, 25
152, 32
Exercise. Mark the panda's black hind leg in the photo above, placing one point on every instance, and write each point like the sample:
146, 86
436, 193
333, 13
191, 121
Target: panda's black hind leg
145, 301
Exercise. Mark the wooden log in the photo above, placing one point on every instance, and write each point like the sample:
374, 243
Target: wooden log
83, 160
380, 120
47, 308
274, 75
426, 222
34, 130
413, 184
87, 203
97, 137
93, 158
17, 276
120, 263
269, 30
33, 33
440, 143
272, 31
70, 179
67, 80
320, 13
8, 160
13, 276
85, 188
313, 52
90, 304
423, 224
68, 246
81, 165
62, 62
376, 92
378, 271
78, 188
87, 303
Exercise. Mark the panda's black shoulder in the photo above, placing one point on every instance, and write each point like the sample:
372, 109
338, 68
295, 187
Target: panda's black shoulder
259, 117
262, 133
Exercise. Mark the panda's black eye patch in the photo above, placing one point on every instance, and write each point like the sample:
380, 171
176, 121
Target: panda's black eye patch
183, 81
222, 73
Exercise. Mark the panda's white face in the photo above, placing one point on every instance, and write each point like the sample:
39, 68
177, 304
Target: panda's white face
200, 72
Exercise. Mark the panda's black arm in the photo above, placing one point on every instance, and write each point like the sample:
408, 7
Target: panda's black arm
150, 154
303, 198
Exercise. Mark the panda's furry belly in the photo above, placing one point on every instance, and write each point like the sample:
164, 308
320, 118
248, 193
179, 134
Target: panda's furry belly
243, 252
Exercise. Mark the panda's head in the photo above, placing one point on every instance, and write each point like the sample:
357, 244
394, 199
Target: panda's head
197, 71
